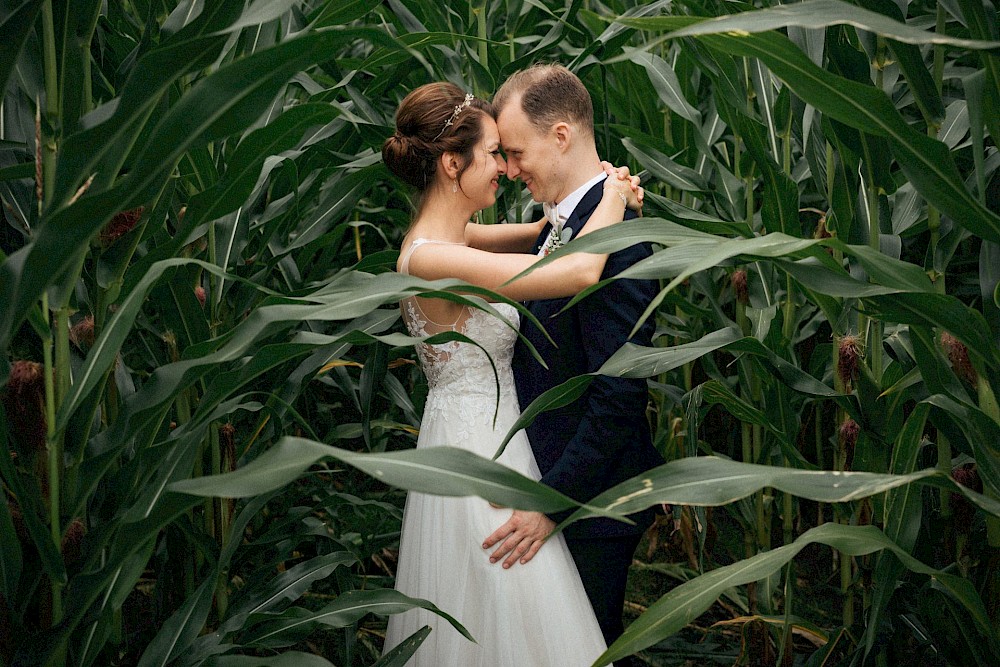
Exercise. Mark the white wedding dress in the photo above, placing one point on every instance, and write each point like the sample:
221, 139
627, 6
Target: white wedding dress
532, 615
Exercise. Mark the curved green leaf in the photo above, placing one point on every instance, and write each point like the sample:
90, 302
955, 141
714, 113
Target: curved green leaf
686, 602
554, 398
903, 510
713, 481
636, 361
183, 626
219, 105
667, 86
663, 167
31, 511
14, 30
925, 161
445, 471
108, 345
186, 623
286, 586
102, 148
944, 312
629, 361
818, 14
401, 654
348, 608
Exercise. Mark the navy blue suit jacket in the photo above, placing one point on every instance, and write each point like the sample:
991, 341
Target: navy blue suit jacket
603, 437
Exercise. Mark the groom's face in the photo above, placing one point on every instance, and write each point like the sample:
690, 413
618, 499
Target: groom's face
532, 153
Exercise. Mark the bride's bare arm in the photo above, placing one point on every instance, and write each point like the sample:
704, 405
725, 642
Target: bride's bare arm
565, 276
521, 237
509, 237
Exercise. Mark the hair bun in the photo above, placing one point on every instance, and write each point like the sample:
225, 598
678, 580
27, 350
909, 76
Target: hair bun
433, 119
406, 158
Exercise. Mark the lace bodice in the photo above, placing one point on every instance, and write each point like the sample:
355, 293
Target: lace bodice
457, 371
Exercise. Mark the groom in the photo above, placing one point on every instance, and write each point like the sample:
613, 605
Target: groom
546, 123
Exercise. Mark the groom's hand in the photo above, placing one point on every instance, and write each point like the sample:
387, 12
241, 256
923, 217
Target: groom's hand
520, 537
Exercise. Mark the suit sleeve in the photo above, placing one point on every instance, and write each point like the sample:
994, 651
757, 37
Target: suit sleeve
612, 404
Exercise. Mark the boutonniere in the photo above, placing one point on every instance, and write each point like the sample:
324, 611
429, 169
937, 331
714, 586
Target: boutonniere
558, 237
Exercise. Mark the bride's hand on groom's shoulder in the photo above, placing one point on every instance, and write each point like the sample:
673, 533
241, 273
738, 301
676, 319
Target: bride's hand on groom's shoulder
623, 175
519, 538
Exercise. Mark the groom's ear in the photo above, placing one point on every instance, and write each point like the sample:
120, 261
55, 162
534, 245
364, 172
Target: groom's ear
563, 133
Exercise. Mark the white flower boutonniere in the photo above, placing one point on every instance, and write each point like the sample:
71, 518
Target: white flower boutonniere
558, 237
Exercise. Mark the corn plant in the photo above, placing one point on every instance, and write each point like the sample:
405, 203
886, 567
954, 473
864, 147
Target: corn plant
197, 311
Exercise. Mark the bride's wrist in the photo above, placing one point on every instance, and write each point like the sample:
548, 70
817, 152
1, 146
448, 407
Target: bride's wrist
610, 189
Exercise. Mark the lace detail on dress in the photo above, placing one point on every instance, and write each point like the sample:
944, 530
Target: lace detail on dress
460, 377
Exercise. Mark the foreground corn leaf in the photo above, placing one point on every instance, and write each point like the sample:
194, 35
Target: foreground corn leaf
686, 602
712, 481
401, 654
296, 623
446, 471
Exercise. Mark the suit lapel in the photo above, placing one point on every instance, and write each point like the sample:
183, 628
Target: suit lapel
540, 241
581, 214
577, 219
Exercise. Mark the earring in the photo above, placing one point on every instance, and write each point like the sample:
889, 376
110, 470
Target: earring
454, 185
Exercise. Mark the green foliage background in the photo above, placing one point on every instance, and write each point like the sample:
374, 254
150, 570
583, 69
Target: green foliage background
196, 250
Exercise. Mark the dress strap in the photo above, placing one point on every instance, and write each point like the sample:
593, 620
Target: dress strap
404, 266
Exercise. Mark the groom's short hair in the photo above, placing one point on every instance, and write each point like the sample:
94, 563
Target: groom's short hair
549, 93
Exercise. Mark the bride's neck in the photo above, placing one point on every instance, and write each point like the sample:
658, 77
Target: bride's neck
443, 216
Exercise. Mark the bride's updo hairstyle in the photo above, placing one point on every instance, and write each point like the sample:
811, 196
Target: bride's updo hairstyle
428, 125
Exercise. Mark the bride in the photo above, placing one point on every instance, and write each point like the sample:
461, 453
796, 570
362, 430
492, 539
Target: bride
447, 146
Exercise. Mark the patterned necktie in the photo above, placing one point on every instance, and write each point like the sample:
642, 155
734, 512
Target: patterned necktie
557, 235
551, 211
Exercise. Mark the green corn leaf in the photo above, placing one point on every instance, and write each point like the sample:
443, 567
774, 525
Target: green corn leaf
686, 602
439, 470
667, 86
373, 374
716, 393
401, 654
102, 148
903, 510
347, 609
10, 545
636, 361
713, 481
78, 21
32, 509
816, 14
181, 627
287, 586
630, 361
554, 398
342, 13
187, 622
14, 30
982, 433
217, 106
662, 167
286, 659
243, 168
925, 161
108, 345
944, 312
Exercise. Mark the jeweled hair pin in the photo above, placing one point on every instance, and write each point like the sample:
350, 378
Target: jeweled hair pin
454, 114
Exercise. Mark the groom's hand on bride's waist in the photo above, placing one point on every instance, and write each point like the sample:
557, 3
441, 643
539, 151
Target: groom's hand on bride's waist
519, 538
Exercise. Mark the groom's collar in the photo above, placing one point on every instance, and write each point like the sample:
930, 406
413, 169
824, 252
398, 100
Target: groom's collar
572, 200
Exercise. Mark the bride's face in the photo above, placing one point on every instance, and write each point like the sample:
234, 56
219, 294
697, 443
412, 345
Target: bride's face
482, 178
